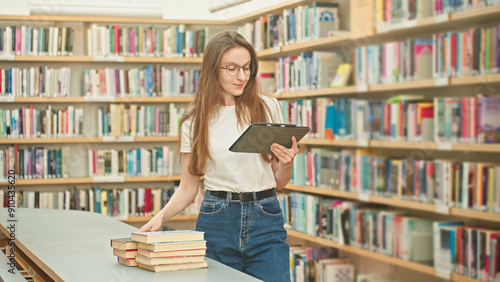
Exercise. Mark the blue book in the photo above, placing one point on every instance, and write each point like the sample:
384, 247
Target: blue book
97, 199
138, 162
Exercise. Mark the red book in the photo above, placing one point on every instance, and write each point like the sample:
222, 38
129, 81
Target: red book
152, 45
131, 40
117, 82
16, 165
94, 162
117, 39
453, 54
147, 200
401, 123
66, 130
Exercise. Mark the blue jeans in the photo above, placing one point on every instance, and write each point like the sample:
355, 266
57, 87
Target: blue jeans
247, 236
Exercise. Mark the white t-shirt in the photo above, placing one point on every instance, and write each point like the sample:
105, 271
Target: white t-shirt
229, 171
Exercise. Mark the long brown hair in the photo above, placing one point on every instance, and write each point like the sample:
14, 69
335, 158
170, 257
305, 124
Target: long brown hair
250, 108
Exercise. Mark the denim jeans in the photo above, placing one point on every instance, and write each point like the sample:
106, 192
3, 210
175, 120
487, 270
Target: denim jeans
247, 236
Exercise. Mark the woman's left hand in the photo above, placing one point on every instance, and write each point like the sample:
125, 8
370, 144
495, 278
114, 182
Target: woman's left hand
285, 156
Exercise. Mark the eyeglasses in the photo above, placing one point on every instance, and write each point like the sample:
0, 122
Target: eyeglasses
233, 70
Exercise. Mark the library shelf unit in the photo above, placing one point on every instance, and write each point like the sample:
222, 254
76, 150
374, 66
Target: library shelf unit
94, 180
78, 62
377, 256
395, 202
70, 140
365, 33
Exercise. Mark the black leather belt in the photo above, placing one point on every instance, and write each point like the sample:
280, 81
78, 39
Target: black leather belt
243, 197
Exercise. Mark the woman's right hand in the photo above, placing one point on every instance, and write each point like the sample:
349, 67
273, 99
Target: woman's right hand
153, 224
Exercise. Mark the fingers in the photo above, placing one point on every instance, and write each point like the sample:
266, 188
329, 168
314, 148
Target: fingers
283, 154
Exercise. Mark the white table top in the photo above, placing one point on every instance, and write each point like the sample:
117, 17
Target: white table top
75, 246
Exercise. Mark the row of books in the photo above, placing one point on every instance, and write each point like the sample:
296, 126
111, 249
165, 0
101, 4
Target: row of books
388, 12
146, 41
36, 41
121, 203
158, 161
294, 25
400, 118
161, 251
150, 81
138, 120
312, 70
472, 251
31, 122
466, 53
35, 82
309, 264
467, 185
393, 62
35, 162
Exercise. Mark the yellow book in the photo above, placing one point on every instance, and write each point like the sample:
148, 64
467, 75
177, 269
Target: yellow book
104, 199
133, 113
479, 186
342, 76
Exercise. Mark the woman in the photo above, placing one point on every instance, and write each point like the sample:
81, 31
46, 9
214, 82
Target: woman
240, 214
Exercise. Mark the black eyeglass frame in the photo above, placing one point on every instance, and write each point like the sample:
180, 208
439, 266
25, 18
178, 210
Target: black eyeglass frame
252, 69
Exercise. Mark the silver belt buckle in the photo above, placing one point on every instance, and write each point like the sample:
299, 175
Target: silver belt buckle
231, 198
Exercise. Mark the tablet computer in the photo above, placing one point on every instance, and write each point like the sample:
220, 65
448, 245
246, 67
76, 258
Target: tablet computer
259, 137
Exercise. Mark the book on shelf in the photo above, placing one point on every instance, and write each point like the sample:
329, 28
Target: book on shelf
342, 76
326, 19
36, 41
35, 82
174, 267
167, 236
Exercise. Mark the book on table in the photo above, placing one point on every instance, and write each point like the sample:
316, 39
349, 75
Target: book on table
167, 236
173, 246
174, 267
179, 253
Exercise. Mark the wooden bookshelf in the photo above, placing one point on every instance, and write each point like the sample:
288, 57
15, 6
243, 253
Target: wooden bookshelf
394, 202
90, 180
89, 140
81, 99
376, 256
277, 8
179, 217
88, 59
96, 19
404, 145
324, 92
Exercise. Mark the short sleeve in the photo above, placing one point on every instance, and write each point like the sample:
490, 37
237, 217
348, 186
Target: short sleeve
275, 108
186, 139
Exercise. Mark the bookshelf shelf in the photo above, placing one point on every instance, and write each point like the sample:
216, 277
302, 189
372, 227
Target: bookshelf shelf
318, 93
268, 10
376, 256
362, 252
410, 145
72, 140
86, 19
306, 46
180, 99
493, 217
180, 217
90, 180
88, 59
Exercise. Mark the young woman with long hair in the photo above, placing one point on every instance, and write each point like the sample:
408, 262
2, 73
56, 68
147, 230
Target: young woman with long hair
240, 214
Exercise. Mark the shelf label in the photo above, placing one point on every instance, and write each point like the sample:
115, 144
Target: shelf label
362, 143
99, 99
442, 18
442, 209
7, 57
109, 58
441, 273
7, 99
362, 87
444, 146
442, 81
98, 179
276, 49
118, 139
364, 197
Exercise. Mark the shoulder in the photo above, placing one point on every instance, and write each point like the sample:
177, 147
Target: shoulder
269, 100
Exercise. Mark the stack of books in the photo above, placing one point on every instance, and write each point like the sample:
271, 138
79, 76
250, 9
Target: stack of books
170, 250
126, 250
